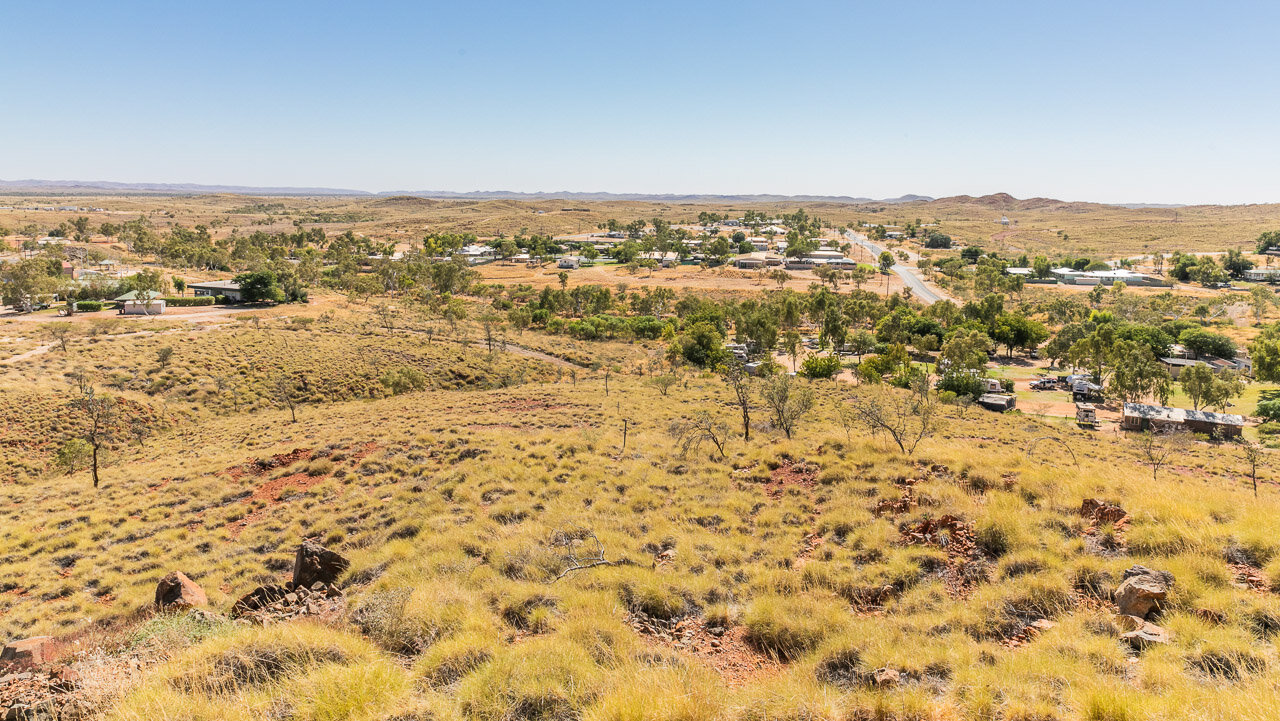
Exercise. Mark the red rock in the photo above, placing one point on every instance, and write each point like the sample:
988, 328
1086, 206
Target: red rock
178, 591
315, 563
1142, 591
27, 651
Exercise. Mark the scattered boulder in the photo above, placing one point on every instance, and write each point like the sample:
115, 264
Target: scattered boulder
177, 591
1101, 511
29, 651
1142, 591
886, 678
1140, 634
317, 564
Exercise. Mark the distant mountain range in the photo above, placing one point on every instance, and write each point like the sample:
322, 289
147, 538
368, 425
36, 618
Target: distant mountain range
653, 197
105, 186
995, 201
102, 186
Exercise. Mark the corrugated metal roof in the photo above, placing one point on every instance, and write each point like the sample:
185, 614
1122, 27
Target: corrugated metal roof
1181, 415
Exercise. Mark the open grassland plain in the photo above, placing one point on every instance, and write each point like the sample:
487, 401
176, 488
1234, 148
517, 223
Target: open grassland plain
1035, 226
511, 559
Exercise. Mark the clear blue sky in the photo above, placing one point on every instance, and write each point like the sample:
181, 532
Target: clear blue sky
1125, 101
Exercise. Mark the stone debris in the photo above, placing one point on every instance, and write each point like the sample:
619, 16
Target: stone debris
885, 678
1029, 632
39, 694
1101, 511
724, 649
1249, 577
966, 566
270, 604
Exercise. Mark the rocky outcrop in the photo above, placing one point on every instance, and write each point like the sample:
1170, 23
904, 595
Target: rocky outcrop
177, 591
1142, 590
317, 564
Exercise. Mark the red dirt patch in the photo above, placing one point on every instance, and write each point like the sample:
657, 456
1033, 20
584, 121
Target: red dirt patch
728, 653
364, 451
790, 473
812, 542
262, 465
269, 493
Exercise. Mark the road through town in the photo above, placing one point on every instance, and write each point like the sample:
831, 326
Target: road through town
907, 273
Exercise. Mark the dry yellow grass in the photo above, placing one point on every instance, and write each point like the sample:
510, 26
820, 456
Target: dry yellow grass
457, 503
457, 495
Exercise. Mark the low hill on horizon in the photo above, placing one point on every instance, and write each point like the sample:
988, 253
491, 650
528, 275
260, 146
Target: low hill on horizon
997, 201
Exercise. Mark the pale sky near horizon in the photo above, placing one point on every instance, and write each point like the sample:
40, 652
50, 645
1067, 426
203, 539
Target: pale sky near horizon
1137, 101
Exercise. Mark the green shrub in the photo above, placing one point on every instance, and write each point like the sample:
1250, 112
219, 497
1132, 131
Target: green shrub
820, 366
199, 300
1271, 411
90, 306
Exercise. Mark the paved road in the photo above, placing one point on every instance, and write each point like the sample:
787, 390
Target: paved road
907, 273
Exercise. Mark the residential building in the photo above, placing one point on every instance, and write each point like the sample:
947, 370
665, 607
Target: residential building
1262, 275
228, 288
147, 302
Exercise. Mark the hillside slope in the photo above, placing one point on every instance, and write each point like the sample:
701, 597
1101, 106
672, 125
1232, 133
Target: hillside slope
823, 576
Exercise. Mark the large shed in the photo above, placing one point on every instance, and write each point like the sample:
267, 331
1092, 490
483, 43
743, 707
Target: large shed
1141, 417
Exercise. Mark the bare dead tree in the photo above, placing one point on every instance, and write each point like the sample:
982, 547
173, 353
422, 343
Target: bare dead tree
101, 417
1253, 456
906, 418
387, 315
285, 391
59, 331
1158, 449
690, 434
580, 549
788, 400
735, 374
847, 419
1031, 447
